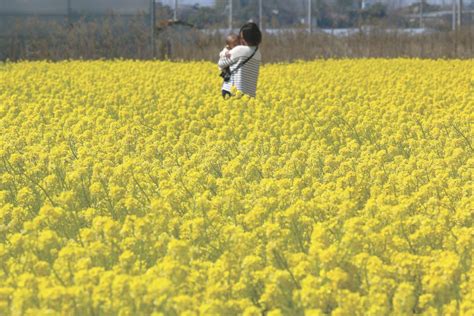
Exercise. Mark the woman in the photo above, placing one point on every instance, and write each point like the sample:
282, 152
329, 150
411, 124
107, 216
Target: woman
244, 61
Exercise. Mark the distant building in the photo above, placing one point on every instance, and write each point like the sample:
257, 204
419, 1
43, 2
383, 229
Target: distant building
368, 3
81, 6
405, 3
203, 3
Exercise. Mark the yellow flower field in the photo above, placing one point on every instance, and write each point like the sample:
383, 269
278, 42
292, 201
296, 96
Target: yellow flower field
132, 188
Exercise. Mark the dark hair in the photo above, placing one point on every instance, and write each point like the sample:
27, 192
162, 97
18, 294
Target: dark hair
251, 33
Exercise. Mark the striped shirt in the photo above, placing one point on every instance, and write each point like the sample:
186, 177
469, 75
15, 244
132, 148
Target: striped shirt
245, 78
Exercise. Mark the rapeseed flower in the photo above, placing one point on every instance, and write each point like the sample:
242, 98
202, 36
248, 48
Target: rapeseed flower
344, 188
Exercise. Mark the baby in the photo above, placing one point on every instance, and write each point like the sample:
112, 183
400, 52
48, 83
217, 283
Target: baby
232, 40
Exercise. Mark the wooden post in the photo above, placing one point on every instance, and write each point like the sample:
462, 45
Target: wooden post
152, 28
69, 21
454, 15
175, 17
459, 14
230, 15
310, 17
421, 13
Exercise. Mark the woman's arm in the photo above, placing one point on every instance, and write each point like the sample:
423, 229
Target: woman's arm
223, 52
225, 61
236, 54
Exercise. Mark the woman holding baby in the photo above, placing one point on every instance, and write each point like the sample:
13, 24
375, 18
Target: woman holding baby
242, 59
